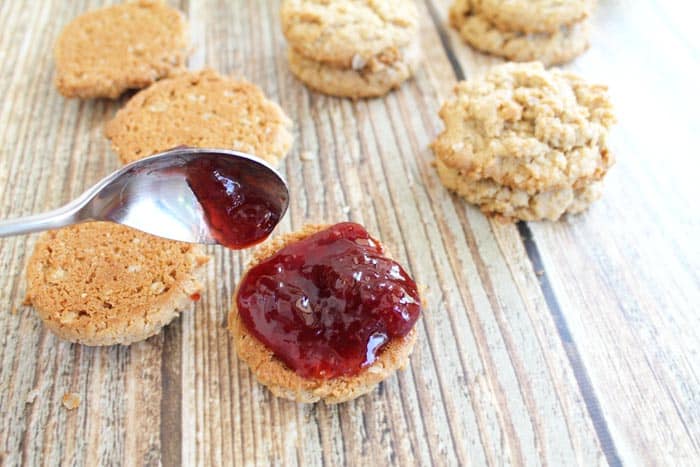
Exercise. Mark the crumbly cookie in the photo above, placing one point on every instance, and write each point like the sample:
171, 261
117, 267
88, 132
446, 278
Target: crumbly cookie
341, 33
561, 46
200, 109
525, 142
352, 48
363, 82
531, 16
104, 52
101, 283
284, 382
508, 204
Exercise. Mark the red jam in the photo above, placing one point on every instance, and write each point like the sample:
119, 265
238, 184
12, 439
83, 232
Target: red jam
328, 305
239, 209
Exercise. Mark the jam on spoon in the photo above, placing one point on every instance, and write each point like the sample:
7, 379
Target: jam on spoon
327, 305
238, 206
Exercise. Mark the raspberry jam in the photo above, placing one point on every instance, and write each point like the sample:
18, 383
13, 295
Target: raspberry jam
238, 206
327, 305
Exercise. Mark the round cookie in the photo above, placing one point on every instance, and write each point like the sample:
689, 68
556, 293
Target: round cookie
352, 48
200, 109
508, 204
104, 52
530, 16
342, 33
284, 382
561, 46
101, 283
364, 82
524, 142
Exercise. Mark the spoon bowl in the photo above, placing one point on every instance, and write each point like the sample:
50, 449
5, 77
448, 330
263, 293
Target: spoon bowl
195, 195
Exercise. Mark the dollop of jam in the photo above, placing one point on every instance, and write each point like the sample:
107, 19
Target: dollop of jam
239, 208
327, 305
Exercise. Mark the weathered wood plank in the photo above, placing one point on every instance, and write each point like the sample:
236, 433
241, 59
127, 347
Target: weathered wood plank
461, 400
491, 381
624, 275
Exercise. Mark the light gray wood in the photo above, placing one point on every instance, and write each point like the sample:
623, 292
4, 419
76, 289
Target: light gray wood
624, 275
493, 379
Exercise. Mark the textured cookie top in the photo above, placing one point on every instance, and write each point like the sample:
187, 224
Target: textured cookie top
99, 277
107, 51
349, 33
527, 128
529, 15
200, 109
551, 48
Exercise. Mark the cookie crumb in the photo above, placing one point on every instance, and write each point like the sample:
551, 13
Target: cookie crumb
31, 396
71, 400
306, 156
540, 272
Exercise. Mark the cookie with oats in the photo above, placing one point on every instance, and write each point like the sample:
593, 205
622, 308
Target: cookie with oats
531, 16
352, 48
101, 283
200, 109
561, 45
525, 143
107, 51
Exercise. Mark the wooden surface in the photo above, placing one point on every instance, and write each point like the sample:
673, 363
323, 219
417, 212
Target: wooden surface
543, 343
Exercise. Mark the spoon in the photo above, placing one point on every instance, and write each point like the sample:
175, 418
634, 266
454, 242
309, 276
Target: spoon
195, 195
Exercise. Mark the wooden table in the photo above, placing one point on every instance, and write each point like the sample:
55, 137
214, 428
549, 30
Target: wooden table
543, 343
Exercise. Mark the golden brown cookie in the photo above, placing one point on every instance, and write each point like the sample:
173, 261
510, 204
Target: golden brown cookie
526, 143
364, 82
104, 52
352, 48
343, 32
551, 48
101, 283
200, 109
531, 16
284, 382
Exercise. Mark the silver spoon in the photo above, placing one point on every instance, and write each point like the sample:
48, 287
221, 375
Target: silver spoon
182, 194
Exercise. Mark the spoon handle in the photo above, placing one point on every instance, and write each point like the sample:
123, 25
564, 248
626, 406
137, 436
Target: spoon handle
61, 217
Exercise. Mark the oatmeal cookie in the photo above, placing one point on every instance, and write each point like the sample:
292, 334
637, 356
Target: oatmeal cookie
525, 136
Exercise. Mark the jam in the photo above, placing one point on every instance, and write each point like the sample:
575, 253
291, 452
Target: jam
327, 305
238, 204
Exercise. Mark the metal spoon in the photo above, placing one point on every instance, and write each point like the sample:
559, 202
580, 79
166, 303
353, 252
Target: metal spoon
154, 195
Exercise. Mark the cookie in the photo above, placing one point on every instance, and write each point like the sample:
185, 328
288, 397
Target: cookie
361, 83
352, 48
532, 16
551, 48
508, 204
101, 283
526, 143
280, 379
200, 109
341, 33
104, 52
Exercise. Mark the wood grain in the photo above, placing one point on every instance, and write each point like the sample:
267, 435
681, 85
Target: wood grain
598, 366
624, 275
